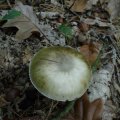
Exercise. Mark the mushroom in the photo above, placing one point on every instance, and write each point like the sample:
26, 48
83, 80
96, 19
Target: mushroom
60, 73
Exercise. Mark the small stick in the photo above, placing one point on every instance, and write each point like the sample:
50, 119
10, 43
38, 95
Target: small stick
8, 2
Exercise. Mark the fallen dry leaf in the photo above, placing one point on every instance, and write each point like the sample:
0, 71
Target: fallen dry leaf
27, 22
27, 11
80, 5
86, 110
24, 25
90, 51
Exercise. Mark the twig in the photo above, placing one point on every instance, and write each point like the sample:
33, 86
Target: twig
50, 110
8, 2
5, 6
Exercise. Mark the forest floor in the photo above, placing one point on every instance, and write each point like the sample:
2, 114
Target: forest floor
87, 27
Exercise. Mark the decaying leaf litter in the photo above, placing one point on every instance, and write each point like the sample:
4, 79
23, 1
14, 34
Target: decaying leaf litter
59, 23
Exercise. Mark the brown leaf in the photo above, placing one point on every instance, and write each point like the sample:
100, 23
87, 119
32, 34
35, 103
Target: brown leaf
24, 25
94, 110
97, 106
79, 5
27, 11
79, 106
84, 110
27, 23
90, 51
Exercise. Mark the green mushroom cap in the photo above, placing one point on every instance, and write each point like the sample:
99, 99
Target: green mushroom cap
60, 73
